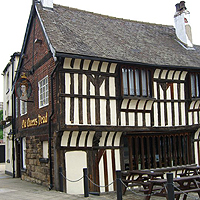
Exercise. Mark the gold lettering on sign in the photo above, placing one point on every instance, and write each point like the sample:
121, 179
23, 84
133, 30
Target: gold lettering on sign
27, 123
42, 119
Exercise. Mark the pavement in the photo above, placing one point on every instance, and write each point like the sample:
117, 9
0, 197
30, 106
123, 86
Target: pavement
16, 189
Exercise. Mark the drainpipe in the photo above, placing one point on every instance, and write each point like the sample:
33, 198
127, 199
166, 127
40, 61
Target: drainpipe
50, 134
13, 121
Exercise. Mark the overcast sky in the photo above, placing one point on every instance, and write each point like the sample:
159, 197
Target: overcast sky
14, 17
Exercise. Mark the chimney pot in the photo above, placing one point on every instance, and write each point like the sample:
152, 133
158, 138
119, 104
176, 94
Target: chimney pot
182, 5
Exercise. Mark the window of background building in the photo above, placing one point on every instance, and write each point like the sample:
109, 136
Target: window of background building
43, 92
24, 153
23, 107
45, 149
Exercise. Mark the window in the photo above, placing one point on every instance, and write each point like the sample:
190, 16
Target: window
24, 153
16, 107
23, 107
45, 149
137, 82
43, 90
195, 90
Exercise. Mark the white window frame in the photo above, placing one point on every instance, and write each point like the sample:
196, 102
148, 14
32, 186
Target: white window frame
43, 92
23, 107
45, 149
24, 153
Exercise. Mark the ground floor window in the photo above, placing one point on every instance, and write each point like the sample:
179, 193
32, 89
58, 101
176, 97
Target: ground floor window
155, 151
24, 153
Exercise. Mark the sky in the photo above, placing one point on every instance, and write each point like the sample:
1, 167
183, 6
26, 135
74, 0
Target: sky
14, 17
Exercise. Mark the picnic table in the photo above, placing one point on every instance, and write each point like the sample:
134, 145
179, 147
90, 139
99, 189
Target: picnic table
190, 170
183, 185
139, 178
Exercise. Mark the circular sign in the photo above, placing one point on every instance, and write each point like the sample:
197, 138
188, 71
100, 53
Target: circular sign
23, 89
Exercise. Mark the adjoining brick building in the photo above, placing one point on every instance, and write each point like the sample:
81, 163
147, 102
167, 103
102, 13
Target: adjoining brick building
107, 94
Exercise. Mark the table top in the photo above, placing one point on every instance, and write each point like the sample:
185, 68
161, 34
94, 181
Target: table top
183, 178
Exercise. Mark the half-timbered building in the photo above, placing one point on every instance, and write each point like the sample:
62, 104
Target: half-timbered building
107, 94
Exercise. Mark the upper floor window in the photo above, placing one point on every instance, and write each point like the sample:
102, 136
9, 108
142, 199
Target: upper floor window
137, 82
43, 88
195, 85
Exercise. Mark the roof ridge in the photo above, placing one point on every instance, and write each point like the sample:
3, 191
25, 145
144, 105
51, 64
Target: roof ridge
112, 17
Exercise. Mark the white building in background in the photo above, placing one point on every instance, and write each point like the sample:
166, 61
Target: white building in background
9, 74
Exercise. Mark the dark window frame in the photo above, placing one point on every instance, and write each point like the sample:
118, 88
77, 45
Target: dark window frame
195, 85
136, 82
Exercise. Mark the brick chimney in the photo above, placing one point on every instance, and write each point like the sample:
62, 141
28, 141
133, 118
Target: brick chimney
47, 3
182, 24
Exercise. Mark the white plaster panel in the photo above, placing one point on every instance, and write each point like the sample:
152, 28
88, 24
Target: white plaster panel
156, 73
131, 117
195, 118
117, 160
65, 138
92, 89
113, 113
76, 111
102, 139
140, 119
162, 111
155, 108
141, 104
84, 107
176, 114
112, 86
148, 119
113, 68
75, 83
192, 104
67, 110
161, 93
101, 175
190, 118
123, 119
110, 139
67, 83
183, 75
132, 104
183, 114
77, 63
95, 66
67, 62
176, 75
169, 114
168, 93
124, 104
149, 105
182, 92
117, 139
104, 67
163, 74
170, 74
86, 64
84, 84
102, 89
197, 105
93, 111
74, 139
103, 112
175, 91
82, 139
155, 90
90, 139
110, 169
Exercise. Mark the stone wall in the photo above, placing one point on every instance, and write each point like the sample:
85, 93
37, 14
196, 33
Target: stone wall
37, 168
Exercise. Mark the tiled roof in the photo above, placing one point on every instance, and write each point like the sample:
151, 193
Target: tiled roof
84, 33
